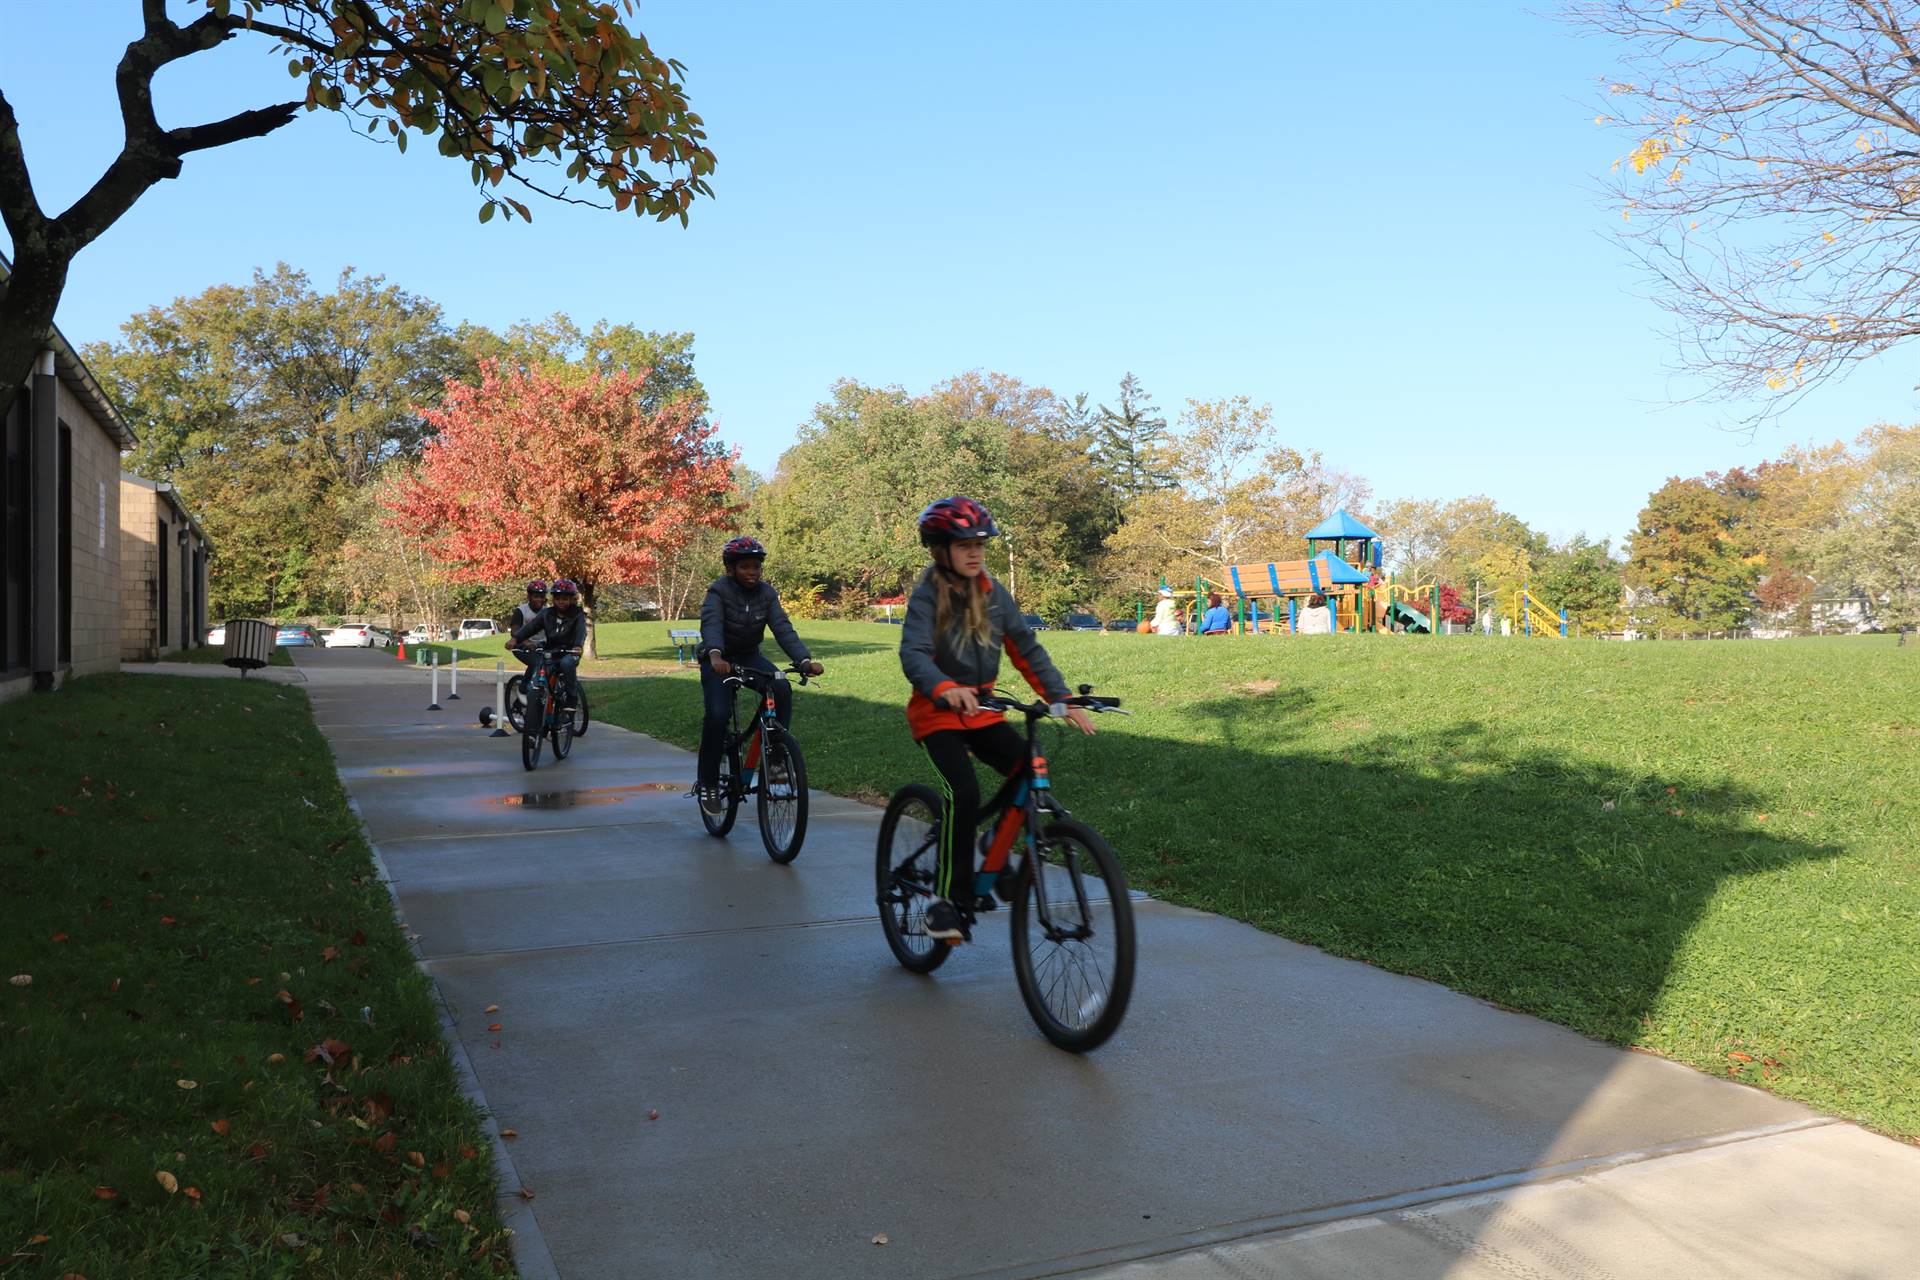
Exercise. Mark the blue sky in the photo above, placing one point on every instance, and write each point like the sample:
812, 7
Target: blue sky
1381, 218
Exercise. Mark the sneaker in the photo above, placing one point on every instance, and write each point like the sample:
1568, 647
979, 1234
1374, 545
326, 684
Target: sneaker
711, 798
944, 923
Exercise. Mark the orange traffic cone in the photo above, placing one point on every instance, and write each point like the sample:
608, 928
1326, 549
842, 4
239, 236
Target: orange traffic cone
402, 655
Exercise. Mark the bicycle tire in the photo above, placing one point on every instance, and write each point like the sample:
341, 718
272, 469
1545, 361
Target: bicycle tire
516, 695
895, 890
531, 737
780, 753
1061, 967
718, 825
581, 719
561, 731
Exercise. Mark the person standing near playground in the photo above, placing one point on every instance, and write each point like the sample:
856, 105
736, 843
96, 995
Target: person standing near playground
1166, 616
1217, 621
1317, 618
958, 622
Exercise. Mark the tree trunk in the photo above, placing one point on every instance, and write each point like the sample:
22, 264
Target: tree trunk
26, 316
593, 629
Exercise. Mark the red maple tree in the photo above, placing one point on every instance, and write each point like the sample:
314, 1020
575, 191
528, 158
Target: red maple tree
533, 475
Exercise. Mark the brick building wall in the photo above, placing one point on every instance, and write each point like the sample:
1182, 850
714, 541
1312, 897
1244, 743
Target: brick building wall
139, 594
94, 487
153, 524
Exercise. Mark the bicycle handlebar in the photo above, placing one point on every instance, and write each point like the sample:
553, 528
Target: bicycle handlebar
1000, 700
753, 675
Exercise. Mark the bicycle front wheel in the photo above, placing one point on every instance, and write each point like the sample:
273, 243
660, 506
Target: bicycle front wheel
905, 863
532, 734
1074, 961
783, 796
718, 821
561, 731
580, 717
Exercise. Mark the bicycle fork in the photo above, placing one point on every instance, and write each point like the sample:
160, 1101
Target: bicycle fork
1043, 800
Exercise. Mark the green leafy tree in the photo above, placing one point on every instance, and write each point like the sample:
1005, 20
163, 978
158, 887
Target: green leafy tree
1129, 444
1874, 547
546, 96
268, 406
1582, 577
1685, 551
558, 346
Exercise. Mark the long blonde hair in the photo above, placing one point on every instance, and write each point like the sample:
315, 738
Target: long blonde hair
970, 607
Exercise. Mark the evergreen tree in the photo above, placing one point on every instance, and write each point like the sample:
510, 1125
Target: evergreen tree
1129, 443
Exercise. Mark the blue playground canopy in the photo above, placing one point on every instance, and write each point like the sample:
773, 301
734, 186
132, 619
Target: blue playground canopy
1340, 525
1331, 569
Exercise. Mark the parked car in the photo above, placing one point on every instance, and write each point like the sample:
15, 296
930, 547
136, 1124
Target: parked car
325, 633
1082, 622
217, 634
1035, 622
297, 635
356, 635
418, 635
476, 629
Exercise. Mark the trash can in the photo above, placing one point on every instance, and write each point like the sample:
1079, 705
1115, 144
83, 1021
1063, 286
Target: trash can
249, 643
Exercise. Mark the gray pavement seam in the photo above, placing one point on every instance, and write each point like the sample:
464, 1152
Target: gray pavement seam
1322, 1216
531, 1258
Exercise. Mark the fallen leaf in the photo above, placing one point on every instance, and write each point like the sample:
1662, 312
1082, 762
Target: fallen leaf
193, 1193
59, 937
329, 955
441, 1170
38, 1239
167, 920
275, 1059
492, 1008
63, 811
385, 1143
509, 1133
468, 1153
459, 1215
113, 986
104, 1193
359, 938
416, 1159
188, 1084
1738, 1056
256, 1152
1760, 817
881, 1239
253, 982
222, 1126
170, 1183
493, 1026
292, 1239
284, 996
652, 1114
20, 980
526, 1193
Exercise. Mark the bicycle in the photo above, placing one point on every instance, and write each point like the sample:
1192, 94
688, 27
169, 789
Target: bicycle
539, 721
516, 695
1037, 857
772, 769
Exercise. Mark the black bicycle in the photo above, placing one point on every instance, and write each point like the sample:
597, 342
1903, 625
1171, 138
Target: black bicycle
1072, 925
516, 694
541, 717
770, 768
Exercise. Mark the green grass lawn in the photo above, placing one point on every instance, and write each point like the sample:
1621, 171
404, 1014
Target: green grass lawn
188, 1083
1707, 850
213, 653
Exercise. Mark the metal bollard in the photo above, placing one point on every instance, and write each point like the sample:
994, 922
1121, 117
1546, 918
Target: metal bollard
500, 700
453, 677
434, 704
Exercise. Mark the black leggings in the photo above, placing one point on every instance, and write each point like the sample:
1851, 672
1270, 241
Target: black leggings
1001, 748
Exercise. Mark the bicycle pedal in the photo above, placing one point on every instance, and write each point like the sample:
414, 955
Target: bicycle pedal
985, 904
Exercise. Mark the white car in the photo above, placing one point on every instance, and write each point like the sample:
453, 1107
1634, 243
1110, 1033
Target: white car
418, 636
355, 635
476, 629
218, 634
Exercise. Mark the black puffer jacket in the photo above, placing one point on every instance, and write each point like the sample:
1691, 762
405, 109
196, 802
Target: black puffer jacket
735, 621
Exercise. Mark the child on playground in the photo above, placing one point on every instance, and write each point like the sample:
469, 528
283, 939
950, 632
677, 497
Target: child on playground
1166, 615
1317, 618
958, 621
1217, 621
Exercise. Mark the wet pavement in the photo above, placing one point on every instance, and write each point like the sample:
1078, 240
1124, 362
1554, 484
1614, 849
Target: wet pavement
812, 1097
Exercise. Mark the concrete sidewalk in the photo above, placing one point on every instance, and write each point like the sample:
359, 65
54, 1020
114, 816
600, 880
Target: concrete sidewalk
1266, 1109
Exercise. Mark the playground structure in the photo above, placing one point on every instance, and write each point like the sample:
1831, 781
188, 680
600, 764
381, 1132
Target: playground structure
1343, 564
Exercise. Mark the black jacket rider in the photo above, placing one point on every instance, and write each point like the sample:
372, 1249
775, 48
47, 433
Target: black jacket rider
734, 620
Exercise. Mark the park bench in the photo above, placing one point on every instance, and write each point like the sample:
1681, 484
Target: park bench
686, 643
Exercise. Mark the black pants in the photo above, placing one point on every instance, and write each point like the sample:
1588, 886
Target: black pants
718, 697
1000, 747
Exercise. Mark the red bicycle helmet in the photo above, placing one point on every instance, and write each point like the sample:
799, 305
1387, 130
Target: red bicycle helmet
565, 587
742, 549
537, 587
956, 520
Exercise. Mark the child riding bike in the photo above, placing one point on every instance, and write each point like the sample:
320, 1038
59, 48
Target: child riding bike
739, 607
562, 629
958, 620
523, 614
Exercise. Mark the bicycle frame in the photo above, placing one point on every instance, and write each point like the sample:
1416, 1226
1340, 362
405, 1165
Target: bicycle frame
1028, 792
545, 673
761, 682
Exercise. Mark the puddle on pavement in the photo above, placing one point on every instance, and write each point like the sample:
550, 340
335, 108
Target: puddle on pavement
579, 797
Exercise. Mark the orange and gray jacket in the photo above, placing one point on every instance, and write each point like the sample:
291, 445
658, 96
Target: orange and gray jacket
937, 663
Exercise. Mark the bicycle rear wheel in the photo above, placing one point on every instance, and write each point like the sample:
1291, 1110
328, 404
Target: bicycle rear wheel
905, 862
1077, 977
517, 702
783, 796
580, 717
720, 821
532, 733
